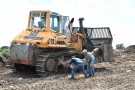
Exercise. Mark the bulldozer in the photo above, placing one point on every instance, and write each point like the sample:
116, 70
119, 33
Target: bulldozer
50, 39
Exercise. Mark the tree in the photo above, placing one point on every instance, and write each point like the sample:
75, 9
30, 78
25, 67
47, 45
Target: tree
5, 47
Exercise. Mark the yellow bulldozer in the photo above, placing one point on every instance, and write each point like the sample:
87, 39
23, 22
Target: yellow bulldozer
50, 39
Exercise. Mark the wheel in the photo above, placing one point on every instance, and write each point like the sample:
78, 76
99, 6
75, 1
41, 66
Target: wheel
50, 65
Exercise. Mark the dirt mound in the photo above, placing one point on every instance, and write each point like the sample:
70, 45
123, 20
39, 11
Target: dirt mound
130, 48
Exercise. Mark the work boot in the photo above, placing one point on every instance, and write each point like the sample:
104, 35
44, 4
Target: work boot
89, 75
72, 78
86, 76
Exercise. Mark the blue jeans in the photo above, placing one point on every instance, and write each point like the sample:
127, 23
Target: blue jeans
78, 66
91, 68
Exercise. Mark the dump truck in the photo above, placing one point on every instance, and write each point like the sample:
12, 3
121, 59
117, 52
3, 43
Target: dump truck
50, 39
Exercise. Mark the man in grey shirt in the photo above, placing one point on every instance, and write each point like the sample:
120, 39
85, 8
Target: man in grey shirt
90, 58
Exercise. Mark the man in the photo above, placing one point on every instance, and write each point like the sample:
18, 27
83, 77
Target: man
89, 57
78, 64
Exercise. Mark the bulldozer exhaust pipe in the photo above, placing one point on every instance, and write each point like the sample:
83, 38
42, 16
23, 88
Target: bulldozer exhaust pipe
81, 29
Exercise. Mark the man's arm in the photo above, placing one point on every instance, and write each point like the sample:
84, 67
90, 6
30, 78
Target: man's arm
70, 63
86, 59
92, 62
67, 63
92, 58
71, 66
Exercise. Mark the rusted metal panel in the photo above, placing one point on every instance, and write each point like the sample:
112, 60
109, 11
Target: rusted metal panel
22, 53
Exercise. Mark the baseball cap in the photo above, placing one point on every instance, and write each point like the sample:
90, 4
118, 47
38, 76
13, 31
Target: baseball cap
84, 50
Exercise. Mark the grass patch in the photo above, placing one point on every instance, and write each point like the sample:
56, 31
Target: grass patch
4, 52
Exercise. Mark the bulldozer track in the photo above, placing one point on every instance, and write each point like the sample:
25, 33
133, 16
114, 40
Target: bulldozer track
46, 63
40, 64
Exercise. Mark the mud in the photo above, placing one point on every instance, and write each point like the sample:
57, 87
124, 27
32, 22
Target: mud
118, 75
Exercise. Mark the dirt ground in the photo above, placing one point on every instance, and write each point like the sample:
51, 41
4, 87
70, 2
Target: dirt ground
118, 75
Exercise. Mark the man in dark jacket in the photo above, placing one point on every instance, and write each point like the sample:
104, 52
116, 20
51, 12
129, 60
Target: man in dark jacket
78, 64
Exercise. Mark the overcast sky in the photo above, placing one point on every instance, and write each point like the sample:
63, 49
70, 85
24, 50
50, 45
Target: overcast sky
119, 15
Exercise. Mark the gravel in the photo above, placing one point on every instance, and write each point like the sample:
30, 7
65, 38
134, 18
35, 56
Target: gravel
118, 75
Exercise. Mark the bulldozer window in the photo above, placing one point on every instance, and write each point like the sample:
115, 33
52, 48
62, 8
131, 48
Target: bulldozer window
65, 22
54, 23
38, 22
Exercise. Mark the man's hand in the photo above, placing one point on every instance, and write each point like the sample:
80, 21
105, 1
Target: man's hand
71, 66
91, 65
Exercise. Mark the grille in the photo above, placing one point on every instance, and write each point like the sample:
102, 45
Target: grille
33, 38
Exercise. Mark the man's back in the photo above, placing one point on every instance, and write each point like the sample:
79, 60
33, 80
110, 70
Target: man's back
89, 56
76, 61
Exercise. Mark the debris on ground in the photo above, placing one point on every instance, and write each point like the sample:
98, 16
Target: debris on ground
118, 75
130, 48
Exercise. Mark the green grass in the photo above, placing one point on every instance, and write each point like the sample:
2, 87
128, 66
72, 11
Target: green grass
4, 52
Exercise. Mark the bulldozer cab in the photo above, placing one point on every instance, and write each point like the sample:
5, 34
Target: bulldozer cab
55, 22
47, 19
37, 20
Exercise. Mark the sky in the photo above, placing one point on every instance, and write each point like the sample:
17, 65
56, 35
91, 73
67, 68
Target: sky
119, 15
